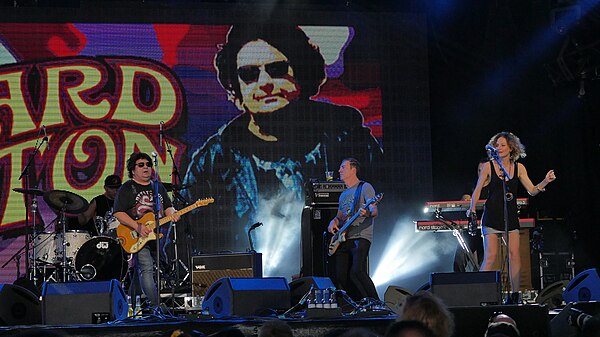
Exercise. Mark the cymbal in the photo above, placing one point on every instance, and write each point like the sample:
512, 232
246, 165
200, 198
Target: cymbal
170, 187
33, 191
71, 202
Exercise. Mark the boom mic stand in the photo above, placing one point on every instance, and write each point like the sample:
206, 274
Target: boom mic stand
31, 273
496, 158
453, 226
176, 196
176, 262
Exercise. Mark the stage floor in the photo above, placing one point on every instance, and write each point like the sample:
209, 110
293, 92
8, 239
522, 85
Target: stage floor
533, 320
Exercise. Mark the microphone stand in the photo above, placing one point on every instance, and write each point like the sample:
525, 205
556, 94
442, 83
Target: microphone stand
176, 196
253, 227
156, 208
31, 273
453, 226
496, 158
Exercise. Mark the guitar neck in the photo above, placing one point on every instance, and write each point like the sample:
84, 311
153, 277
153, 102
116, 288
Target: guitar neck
351, 220
180, 212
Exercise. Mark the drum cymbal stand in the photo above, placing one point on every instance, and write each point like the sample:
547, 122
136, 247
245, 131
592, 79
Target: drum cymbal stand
62, 224
31, 272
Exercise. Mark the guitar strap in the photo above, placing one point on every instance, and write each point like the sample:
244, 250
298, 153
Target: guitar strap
356, 204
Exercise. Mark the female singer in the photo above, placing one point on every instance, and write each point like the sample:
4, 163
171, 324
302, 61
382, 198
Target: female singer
506, 148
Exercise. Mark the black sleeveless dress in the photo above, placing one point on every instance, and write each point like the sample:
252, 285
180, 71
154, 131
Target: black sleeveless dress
493, 210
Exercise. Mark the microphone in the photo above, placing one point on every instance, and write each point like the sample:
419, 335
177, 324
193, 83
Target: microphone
155, 158
256, 225
491, 150
160, 133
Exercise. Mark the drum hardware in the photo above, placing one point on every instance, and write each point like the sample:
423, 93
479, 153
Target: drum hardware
107, 225
30, 265
29, 226
65, 201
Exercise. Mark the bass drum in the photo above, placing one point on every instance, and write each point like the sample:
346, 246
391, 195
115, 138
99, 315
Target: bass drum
101, 259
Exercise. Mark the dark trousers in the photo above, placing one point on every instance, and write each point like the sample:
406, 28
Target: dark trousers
351, 266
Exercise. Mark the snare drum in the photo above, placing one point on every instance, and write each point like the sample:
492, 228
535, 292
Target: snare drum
101, 258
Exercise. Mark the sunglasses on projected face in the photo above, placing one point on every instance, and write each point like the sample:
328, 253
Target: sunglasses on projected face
250, 73
146, 163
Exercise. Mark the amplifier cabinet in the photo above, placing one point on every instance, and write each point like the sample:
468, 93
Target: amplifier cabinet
208, 268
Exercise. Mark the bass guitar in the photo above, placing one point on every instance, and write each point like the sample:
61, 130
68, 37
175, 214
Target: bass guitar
339, 237
130, 239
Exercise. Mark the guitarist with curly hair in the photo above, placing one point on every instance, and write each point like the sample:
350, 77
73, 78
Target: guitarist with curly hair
134, 199
352, 241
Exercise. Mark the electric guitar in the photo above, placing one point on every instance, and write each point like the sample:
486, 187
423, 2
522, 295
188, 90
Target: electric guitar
339, 237
130, 239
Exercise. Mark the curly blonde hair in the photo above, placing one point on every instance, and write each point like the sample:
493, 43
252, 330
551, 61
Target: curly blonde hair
517, 149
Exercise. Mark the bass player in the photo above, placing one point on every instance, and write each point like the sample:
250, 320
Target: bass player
134, 199
351, 256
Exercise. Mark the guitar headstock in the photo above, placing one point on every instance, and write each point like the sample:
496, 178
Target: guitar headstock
204, 202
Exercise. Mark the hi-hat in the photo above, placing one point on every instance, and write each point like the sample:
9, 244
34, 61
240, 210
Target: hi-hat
32, 191
71, 202
170, 187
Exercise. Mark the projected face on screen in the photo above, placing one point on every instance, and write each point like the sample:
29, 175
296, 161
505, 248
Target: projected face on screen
265, 77
318, 89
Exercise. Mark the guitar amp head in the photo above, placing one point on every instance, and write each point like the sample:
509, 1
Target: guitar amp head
323, 192
208, 268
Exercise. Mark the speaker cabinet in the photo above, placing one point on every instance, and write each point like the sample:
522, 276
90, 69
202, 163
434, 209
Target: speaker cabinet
315, 240
467, 289
83, 302
299, 287
247, 296
583, 287
395, 297
18, 306
552, 295
208, 268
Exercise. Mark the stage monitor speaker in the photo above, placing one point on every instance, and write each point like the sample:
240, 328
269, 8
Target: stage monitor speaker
18, 306
83, 302
583, 287
208, 268
551, 295
395, 297
315, 240
299, 287
247, 296
467, 289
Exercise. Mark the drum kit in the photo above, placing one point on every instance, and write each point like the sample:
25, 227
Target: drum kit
73, 255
